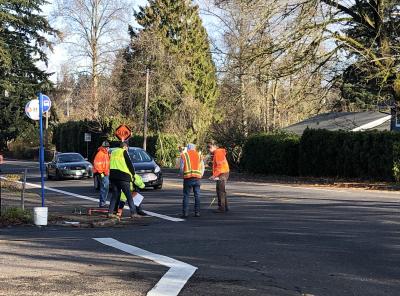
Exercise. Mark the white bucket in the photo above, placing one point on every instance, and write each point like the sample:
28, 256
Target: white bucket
40, 216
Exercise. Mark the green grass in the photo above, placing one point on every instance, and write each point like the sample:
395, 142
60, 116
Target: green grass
15, 216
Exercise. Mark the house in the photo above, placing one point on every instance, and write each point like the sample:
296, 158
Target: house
348, 121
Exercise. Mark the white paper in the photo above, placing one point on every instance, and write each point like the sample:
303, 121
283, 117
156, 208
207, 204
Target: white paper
137, 199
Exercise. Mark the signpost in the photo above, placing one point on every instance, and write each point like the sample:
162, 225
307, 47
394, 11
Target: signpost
88, 138
123, 132
41, 150
34, 109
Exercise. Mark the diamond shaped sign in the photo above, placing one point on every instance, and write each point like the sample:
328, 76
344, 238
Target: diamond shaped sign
123, 132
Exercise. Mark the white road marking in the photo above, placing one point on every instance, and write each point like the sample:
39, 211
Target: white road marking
175, 278
165, 217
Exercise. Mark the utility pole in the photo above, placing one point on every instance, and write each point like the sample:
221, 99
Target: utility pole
146, 105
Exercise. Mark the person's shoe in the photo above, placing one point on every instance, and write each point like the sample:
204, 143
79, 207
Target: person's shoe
141, 213
219, 211
197, 214
103, 206
184, 216
136, 216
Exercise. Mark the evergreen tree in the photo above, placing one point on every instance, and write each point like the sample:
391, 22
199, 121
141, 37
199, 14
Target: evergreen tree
178, 24
22, 43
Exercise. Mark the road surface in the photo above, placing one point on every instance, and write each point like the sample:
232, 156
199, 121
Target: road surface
277, 240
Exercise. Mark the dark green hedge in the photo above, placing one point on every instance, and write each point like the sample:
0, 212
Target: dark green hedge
272, 154
366, 155
69, 137
369, 155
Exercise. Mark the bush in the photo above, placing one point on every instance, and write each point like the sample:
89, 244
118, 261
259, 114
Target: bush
272, 154
366, 155
12, 216
371, 155
69, 137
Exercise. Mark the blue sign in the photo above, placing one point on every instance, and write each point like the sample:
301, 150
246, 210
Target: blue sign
46, 103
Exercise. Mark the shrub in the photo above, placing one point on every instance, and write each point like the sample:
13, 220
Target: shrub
12, 216
273, 154
366, 155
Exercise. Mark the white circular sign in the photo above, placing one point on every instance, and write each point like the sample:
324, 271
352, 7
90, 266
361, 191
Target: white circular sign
32, 109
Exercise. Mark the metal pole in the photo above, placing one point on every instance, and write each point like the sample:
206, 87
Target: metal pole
146, 105
23, 189
1, 180
41, 150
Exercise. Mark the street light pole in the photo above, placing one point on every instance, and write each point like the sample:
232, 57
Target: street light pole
146, 105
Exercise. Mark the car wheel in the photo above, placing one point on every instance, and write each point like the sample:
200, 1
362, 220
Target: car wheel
58, 175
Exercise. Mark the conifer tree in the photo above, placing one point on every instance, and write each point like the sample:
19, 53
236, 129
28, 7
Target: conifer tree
180, 28
22, 43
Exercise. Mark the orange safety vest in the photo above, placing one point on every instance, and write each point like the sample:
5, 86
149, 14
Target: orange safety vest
101, 162
220, 164
191, 164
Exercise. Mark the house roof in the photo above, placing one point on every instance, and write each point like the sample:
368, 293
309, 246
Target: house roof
349, 121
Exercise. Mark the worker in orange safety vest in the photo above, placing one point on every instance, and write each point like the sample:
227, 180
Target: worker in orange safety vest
101, 170
220, 174
192, 170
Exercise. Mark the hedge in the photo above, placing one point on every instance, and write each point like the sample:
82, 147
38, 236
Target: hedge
371, 155
365, 155
272, 154
69, 137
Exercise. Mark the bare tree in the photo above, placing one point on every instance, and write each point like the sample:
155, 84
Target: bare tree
94, 31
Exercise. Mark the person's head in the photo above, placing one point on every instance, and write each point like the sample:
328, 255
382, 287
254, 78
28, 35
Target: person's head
124, 145
105, 144
191, 146
212, 146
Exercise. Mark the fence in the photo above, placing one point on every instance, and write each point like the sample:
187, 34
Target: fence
12, 188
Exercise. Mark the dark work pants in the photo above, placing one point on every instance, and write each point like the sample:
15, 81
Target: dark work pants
221, 192
116, 188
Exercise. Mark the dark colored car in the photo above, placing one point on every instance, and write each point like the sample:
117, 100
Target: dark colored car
145, 166
69, 166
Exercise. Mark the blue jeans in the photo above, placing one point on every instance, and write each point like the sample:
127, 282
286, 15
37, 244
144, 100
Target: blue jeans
104, 184
188, 184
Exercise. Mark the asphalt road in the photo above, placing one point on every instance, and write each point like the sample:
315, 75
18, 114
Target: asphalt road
277, 240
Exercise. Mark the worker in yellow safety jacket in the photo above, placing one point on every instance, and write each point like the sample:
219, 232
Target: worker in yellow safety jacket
121, 176
137, 184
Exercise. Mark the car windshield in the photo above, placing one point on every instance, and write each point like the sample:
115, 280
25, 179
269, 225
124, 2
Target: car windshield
70, 158
138, 155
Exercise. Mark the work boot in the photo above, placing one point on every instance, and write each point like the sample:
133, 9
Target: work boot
184, 216
197, 214
141, 213
219, 211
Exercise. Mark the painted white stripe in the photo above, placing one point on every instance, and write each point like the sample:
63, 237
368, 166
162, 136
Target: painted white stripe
175, 278
165, 217
372, 124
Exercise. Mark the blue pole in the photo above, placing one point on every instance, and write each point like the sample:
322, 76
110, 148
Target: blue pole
41, 150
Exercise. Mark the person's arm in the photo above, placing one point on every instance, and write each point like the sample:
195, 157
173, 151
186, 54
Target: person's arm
129, 163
